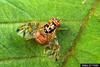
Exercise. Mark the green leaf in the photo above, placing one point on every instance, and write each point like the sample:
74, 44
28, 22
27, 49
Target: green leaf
16, 51
29, 62
13, 46
87, 50
25, 10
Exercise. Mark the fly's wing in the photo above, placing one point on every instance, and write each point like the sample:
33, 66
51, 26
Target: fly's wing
27, 30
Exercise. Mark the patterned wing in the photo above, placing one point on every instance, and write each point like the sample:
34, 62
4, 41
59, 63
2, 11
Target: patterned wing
27, 30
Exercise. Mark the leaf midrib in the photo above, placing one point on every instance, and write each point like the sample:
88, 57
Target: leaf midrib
82, 28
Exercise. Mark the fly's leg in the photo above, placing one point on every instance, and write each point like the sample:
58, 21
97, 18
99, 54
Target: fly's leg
52, 49
55, 50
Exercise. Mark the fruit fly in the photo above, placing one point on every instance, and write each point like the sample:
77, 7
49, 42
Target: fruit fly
45, 35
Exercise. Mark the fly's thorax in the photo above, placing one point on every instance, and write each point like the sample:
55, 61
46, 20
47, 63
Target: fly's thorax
42, 37
48, 36
51, 36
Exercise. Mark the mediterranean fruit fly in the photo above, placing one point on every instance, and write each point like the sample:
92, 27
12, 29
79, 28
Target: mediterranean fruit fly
45, 35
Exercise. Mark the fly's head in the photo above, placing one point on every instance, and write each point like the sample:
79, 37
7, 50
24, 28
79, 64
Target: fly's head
52, 25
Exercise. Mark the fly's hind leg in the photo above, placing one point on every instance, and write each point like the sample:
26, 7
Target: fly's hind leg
52, 49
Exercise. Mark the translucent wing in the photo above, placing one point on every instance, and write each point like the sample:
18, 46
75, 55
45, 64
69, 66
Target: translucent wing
27, 30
